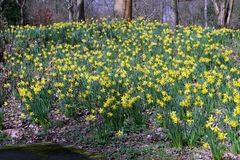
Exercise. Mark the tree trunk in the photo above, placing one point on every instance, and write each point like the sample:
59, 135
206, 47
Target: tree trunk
119, 8
80, 10
70, 14
170, 12
206, 13
22, 18
175, 7
128, 10
69, 5
123, 9
223, 11
21, 4
229, 13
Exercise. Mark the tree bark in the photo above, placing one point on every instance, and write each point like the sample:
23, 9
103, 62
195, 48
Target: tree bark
230, 10
80, 10
222, 13
175, 7
223, 10
21, 4
128, 10
206, 13
21, 12
70, 14
69, 5
119, 8
170, 12
123, 9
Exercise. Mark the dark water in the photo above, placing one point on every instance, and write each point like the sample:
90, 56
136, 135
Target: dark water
43, 152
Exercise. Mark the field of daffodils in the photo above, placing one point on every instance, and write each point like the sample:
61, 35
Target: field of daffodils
185, 79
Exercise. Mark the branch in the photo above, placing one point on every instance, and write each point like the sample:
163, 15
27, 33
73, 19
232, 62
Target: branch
106, 3
68, 4
216, 7
152, 14
88, 4
21, 3
231, 2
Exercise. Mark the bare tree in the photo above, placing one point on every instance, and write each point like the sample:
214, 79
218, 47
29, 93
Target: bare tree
206, 13
175, 8
223, 10
70, 7
128, 10
80, 10
170, 12
21, 4
123, 9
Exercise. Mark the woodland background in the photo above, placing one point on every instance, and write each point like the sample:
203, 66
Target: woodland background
36, 12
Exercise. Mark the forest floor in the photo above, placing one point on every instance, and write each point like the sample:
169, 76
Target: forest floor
148, 143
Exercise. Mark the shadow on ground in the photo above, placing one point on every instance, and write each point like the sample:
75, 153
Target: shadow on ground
43, 152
